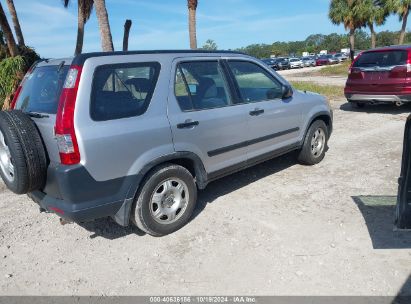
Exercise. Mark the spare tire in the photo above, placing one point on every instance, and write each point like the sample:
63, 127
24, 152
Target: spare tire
23, 158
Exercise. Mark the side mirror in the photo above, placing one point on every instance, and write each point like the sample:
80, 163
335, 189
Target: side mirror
287, 91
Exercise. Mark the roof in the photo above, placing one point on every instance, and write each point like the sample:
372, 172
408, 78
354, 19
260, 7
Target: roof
81, 58
391, 47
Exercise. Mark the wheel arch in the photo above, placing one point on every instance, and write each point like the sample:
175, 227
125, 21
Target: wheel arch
188, 160
324, 116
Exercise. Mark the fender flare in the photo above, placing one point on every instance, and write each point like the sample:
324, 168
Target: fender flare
317, 115
122, 217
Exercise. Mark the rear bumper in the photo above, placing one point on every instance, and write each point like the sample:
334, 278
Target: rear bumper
72, 211
73, 194
378, 98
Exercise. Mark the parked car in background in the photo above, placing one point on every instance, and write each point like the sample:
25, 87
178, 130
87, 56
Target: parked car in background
332, 59
308, 61
271, 62
86, 146
326, 59
296, 63
283, 63
381, 75
322, 60
340, 57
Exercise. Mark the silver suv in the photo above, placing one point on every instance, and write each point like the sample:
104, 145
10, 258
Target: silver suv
133, 135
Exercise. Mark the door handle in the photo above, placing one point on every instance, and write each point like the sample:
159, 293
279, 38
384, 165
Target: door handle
188, 124
256, 112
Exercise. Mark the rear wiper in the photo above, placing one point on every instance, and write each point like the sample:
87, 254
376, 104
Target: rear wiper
37, 115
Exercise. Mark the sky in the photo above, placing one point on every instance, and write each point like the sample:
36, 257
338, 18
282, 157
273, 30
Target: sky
162, 24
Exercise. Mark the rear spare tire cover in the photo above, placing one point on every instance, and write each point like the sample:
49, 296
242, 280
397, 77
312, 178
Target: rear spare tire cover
23, 160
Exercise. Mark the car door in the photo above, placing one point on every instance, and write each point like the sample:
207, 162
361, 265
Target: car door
202, 115
273, 122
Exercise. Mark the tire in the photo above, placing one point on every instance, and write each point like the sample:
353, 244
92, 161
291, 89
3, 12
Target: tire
155, 216
21, 149
313, 150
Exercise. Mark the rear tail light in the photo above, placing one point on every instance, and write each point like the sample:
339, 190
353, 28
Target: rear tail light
64, 129
409, 64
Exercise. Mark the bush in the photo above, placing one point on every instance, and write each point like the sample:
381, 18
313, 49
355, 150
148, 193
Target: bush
12, 71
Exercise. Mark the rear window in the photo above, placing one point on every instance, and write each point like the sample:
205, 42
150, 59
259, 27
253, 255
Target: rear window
123, 90
41, 90
381, 59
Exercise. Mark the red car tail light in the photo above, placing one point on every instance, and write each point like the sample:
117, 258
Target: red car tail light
64, 128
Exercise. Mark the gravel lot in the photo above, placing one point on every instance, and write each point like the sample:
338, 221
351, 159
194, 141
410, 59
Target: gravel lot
306, 74
276, 229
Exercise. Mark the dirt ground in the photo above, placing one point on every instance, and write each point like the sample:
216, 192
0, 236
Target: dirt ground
308, 74
275, 229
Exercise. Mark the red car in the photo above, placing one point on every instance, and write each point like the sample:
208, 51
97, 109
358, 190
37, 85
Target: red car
380, 75
323, 60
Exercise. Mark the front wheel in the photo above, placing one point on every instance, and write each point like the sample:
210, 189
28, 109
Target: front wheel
315, 144
166, 200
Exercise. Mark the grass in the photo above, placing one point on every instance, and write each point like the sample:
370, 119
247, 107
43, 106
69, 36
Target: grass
332, 92
335, 70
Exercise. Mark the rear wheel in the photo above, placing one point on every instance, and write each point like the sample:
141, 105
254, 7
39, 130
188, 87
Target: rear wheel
166, 200
23, 162
315, 144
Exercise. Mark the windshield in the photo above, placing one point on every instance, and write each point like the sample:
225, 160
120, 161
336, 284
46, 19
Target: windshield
382, 59
41, 90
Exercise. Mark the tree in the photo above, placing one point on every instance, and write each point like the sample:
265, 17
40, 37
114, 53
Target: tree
104, 25
85, 8
8, 34
192, 8
210, 45
351, 13
377, 14
127, 26
16, 23
402, 9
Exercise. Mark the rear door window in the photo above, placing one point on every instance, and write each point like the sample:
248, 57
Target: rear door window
122, 90
381, 59
201, 85
41, 90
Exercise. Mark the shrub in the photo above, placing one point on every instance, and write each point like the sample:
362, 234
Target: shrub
12, 71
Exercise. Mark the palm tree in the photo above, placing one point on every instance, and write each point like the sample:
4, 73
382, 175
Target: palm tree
192, 7
351, 13
104, 25
8, 34
127, 26
85, 8
402, 9
377, 14
16, 23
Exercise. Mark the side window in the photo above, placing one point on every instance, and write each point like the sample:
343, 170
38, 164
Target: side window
200, 85
122, 90
254, 82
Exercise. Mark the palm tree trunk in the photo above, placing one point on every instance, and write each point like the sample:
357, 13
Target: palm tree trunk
8, 34
404, 25
80, 31
104, 25
192, 28
16, 23
127, 26
352, 43
373, 35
